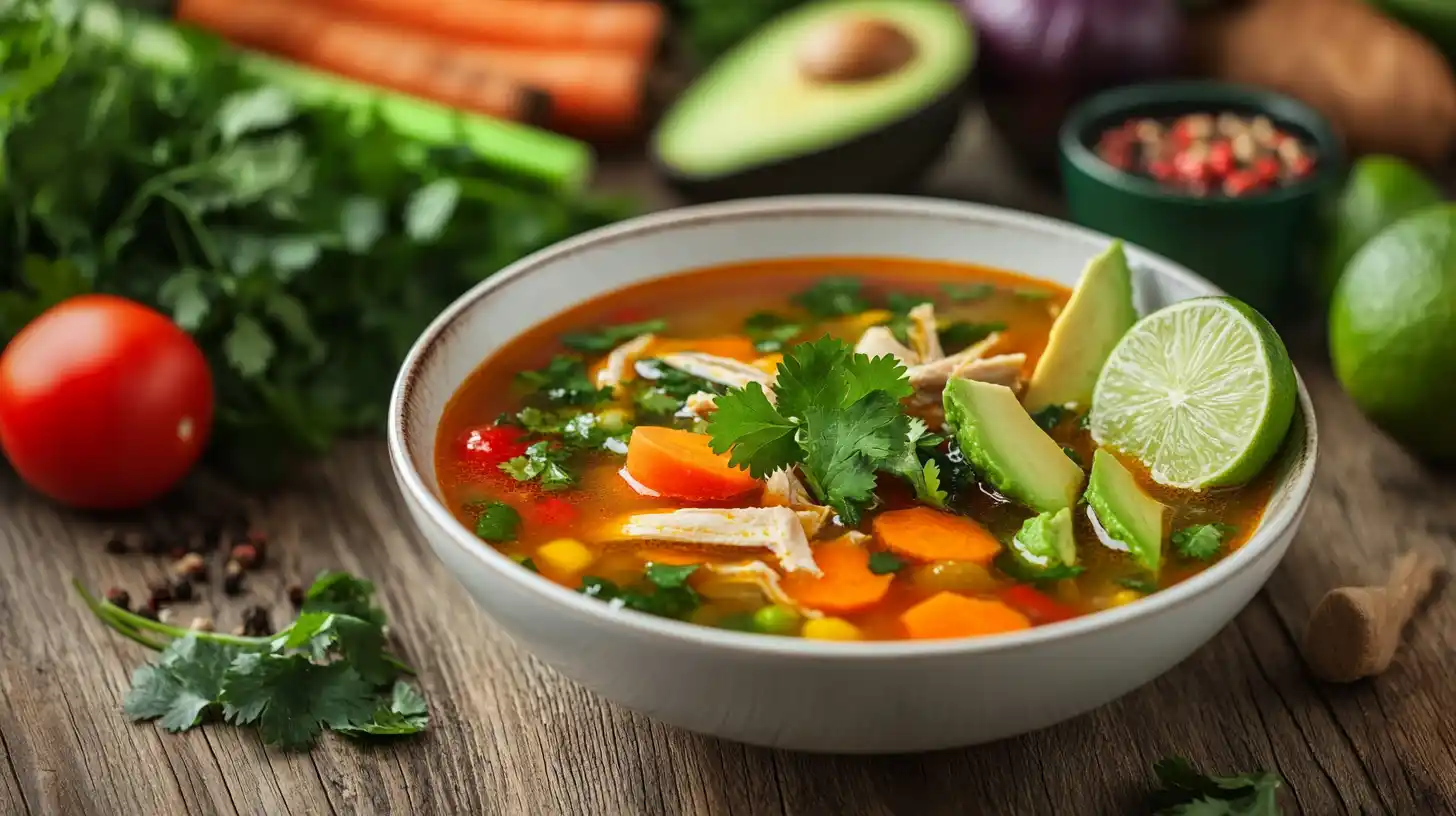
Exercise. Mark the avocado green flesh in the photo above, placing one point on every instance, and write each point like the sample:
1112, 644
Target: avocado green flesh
1098, 314
1046, 541
1127, 514
754, 107
1008, 448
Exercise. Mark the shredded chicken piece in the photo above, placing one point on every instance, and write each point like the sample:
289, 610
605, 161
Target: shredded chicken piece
877, 341
780, 530
784, 489
700, 404
620, 362
766, 579
935, 374
924, 336
722, 370
1003, 369
856, 537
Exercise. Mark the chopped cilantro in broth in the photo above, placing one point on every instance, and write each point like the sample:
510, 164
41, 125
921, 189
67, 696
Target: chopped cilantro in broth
567, 441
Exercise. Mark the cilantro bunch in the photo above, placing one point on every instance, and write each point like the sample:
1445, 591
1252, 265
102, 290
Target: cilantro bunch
303, 248
330, 668
837, 415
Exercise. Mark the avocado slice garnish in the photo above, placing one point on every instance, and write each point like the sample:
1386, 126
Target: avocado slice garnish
1098, 314
853, 95
1126, 513
1007, 448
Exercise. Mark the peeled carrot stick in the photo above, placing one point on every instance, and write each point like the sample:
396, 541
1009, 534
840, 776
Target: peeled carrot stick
372, 54
923, 534
847, 584
680, 464
593, 93
622, 25
948, 615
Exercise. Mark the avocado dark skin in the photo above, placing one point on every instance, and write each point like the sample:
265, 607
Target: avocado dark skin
890, 159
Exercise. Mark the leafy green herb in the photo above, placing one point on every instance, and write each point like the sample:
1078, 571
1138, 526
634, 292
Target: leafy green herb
833, 297
327, 669
1084, 422
543, 462
770, 332
564, 381
924, 477
1185, 791
1018, 571
290, 241
962, 334
1143, 585
669, 576
674, 600
968, 292
661, 389
899, 305
884, 563
838, 416
609, 337
1202, 542
1050, 417
1073, 455
497, 522
1033, 294
657, 402
525, 561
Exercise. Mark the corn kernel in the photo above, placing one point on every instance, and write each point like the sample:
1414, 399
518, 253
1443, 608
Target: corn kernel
768, 363
1123, 597
565, 555
830, 629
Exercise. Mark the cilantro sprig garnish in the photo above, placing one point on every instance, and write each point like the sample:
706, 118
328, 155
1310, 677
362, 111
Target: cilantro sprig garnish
1186, 791
838, 416
330, 668
607, 338
664, 593
1202, 542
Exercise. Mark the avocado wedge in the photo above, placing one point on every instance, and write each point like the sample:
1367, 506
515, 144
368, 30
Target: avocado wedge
1008, 448
1098, 314
1128, 516
835, 96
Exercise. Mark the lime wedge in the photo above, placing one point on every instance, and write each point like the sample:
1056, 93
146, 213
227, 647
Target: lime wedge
1201, 392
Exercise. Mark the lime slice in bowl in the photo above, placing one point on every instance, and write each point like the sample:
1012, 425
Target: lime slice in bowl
1201, 392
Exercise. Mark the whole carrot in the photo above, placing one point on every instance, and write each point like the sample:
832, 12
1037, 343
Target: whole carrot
633, 26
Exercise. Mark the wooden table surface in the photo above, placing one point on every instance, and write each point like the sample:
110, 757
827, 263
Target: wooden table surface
508, 736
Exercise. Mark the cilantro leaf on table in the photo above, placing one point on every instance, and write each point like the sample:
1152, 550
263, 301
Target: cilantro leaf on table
291, 698
406, 714
345, 594
1185, 791
770, 332
180, 687
833, 297
1201, 542
607, 338
357, 640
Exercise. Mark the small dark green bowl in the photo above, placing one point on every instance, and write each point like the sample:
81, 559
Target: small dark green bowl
1257, 247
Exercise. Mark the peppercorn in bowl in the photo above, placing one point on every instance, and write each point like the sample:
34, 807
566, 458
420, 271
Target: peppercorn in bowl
1225, 179
852, 603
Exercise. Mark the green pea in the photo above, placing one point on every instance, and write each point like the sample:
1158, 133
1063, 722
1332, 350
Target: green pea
776, 620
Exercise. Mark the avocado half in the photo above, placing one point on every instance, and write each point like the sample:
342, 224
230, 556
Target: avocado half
833, 97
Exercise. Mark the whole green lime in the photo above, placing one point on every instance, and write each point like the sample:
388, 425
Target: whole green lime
1379, 191
1393, 331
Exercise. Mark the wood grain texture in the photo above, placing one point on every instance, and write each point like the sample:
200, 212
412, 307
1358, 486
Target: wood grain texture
510, 737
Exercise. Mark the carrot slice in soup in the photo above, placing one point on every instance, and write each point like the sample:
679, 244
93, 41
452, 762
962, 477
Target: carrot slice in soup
732, 346
948, 615
679, 464
923, 534
847, 584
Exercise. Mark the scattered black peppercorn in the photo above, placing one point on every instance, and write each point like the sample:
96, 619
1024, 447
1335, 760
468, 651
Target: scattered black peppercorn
232, 583
119, 597
182, 590
116, 545
255, 621
295, 596
161, 595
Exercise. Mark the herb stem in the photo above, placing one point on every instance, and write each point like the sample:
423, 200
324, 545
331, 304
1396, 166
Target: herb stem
129, 623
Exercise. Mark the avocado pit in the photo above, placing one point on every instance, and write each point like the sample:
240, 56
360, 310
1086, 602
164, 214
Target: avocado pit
854, 48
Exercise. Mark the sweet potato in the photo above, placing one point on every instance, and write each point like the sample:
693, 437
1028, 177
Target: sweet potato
1384, 88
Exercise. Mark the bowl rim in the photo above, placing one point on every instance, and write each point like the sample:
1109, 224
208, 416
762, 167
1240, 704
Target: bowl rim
1128, 99
412, 483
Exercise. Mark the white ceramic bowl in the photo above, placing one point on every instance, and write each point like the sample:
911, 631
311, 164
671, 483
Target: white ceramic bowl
788, 692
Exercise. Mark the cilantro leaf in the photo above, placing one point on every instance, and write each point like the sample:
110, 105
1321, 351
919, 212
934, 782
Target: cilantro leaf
291, 698
968, 292
564, 380
1033, 294
358, 641
1185, 791
833, 297
662, 389
1016, 570
923, 477
1143, 585
544, 462
885, 563
1202, 542
345, 594
497, 522
607, 338
677, 600
405, 714
770, 332
1050, 417
668, 576
657, 402
843, 449
961, 334
183, 683
899, 304
758, 437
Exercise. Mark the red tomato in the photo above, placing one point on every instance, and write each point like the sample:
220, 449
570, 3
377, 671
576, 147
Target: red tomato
490, 445
1036, 605
553, 512
104, 403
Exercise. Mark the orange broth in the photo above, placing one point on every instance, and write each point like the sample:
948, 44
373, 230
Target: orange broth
713, 303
